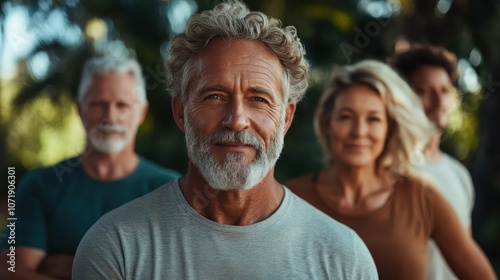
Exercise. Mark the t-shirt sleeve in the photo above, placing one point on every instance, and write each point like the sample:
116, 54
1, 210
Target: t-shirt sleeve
364, 266
98, 256
30, 213
469, 190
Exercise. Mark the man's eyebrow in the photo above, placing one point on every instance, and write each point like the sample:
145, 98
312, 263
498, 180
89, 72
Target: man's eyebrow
260, 89
213, 88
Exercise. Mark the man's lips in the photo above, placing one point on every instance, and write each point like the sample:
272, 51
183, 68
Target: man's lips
233, 146
111, 133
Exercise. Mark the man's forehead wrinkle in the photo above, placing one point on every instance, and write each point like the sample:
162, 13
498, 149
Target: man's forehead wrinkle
253, 62
214, 87
210, 73
217, 82
262, 84
260, 89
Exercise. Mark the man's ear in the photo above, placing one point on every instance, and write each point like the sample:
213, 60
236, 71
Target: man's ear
78, 107
144, 111
289, 113
178, 112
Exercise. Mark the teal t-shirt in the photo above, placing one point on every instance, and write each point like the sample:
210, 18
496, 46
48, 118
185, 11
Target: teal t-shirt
55, 206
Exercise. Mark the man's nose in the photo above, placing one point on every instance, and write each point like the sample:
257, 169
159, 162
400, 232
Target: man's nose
111, 115
236, 116
437, 99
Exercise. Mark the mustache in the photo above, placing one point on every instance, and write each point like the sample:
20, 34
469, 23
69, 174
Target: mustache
112, 128
244, 137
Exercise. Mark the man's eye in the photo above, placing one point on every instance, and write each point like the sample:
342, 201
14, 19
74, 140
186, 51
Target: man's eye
446, 90
213, 96
96, 105
122, 105
259, 99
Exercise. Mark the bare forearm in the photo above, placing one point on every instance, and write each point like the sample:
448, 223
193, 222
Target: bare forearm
32, 263
57, 265
469, 261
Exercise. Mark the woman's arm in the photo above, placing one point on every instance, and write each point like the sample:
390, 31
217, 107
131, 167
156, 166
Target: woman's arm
461, 252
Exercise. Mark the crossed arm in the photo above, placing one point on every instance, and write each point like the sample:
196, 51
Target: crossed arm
36, 264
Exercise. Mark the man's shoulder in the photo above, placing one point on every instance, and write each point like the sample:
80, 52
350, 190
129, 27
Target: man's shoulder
454, 163
53, 174
151, 168
336, 241
448, 168
460, 171
144, 208
301, 188
316, 222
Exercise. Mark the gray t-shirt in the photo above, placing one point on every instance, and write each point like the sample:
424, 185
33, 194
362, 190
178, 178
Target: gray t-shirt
160, 236
453, 181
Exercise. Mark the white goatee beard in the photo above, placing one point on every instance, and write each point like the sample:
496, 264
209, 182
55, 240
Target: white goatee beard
109, 145
233, 174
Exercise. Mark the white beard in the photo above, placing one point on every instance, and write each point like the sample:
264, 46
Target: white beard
109, 145
233, 174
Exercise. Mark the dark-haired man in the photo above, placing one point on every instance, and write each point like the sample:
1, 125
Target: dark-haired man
432, 73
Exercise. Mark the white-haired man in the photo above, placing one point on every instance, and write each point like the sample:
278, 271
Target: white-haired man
57, 205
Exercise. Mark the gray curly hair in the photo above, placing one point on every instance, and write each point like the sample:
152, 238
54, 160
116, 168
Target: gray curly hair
409, 128
233, 20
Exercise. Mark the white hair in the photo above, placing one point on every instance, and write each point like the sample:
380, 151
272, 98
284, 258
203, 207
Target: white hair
105, 65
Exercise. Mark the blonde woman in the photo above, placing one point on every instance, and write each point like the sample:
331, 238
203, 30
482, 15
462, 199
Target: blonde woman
371, 126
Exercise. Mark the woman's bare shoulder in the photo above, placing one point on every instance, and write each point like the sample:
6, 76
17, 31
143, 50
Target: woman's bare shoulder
301, 183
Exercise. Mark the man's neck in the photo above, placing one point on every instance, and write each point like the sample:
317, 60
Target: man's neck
232, 207
108, 167
432, 150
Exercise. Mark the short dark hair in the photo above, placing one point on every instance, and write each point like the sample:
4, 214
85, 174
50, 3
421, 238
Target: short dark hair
420, 55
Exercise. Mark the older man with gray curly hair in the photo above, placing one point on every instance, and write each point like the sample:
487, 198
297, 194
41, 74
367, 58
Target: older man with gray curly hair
235, 78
